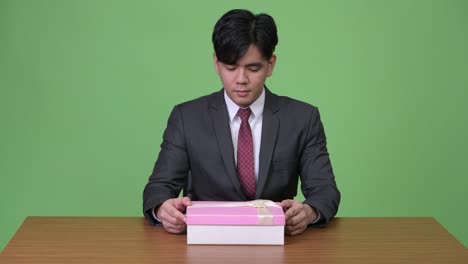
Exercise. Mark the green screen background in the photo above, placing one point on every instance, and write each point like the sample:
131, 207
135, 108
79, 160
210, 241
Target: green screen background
87, 87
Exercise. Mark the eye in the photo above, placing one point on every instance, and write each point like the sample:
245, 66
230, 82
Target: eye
254, 69
230, 67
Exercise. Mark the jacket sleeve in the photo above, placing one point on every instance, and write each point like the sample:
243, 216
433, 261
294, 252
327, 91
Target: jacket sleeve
317, 179
171, 168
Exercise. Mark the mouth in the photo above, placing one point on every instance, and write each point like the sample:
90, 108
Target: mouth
242, 93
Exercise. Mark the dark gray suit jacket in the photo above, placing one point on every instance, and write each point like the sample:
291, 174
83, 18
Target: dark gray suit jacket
197, 155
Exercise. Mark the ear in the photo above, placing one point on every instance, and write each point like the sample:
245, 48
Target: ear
215, 63
271, 65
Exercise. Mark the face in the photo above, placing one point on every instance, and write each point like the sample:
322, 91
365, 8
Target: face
244, 80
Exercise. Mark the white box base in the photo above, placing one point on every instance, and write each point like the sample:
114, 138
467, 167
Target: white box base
235, 235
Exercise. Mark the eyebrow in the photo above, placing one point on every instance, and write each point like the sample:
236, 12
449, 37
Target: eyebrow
255, 64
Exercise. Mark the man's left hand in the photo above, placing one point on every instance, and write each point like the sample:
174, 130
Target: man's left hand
298, 216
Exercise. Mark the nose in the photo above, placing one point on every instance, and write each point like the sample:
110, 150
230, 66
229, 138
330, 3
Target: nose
242, 77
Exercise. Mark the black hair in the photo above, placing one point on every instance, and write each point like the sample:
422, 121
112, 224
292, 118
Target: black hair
236, 30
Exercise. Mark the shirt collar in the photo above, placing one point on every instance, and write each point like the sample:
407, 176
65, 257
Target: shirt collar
256, 106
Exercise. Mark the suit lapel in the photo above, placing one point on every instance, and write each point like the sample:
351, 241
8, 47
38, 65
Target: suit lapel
270, 127
220, 117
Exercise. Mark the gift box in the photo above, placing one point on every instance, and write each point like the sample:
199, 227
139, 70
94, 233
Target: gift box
256, 222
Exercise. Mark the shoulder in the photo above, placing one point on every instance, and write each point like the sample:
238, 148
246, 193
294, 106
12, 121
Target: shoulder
288, 105
294, 103
200, 103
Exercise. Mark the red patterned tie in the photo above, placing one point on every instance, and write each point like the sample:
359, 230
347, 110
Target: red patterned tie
245, 160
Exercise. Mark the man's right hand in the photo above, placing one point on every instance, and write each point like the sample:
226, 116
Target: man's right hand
171, 216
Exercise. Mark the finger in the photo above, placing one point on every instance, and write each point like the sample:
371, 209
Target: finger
286, 204
288, 230
182, 203
175, 229
293, 210
172, 215
294, 232
180, 217
186, 201
166, 219
297, 218
294, 229
179, 204
168, 224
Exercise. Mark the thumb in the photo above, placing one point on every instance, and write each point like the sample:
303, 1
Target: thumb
186, 201
286, 204
179, 204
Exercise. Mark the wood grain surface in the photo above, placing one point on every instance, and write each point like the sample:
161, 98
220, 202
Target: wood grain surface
132, 240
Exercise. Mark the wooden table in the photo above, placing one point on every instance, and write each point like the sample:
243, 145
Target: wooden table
133, 240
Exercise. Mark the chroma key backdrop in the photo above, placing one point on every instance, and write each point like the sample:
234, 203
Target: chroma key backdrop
87, 87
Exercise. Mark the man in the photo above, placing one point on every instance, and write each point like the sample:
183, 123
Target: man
243, 142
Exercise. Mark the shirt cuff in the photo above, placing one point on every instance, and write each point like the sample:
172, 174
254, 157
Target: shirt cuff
154, 216
317, 218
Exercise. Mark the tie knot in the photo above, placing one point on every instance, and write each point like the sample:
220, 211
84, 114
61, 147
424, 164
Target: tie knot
244, 113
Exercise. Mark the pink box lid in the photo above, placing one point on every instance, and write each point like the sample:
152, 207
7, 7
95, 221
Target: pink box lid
234, 213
